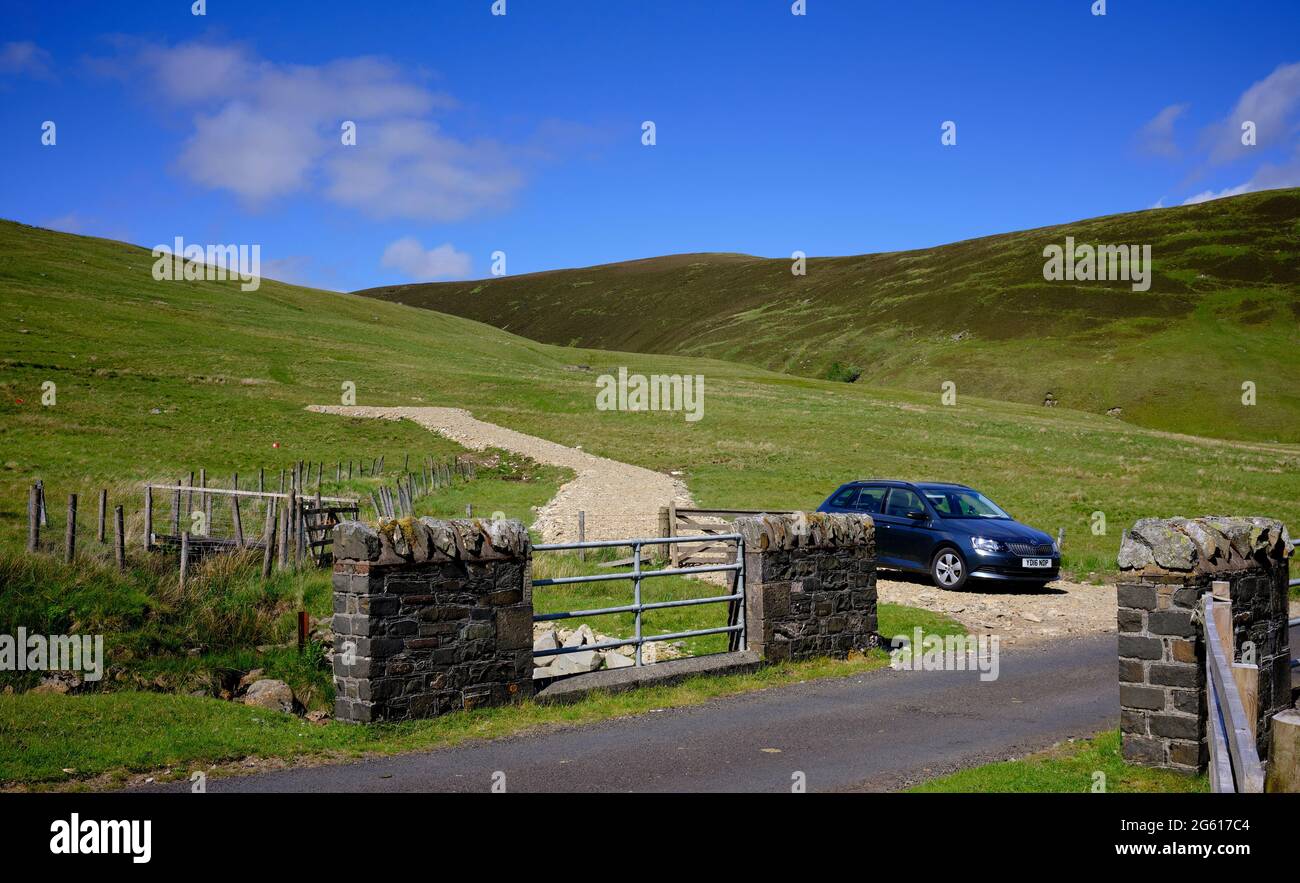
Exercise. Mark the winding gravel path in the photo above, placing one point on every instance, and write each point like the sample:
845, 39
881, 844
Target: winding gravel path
620, 500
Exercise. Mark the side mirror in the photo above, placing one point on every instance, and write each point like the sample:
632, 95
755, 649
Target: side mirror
917, 515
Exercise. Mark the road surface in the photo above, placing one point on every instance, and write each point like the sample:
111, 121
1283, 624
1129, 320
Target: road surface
875, 731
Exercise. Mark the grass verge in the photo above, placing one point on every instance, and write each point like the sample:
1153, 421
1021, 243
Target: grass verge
1065, 768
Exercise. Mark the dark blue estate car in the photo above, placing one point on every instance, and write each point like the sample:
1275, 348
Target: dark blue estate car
949, 531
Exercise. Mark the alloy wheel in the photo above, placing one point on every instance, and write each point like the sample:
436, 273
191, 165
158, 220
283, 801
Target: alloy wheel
948, 569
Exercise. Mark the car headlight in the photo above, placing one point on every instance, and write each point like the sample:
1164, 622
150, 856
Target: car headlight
985, 544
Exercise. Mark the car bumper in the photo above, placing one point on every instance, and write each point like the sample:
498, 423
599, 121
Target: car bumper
1010, 568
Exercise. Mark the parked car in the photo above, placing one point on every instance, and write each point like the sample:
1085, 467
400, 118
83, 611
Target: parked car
950, 531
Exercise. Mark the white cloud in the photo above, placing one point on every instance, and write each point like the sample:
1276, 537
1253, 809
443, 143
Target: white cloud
443, 262
410, 169
1269, 104
25, 57
1269, 176
1273, 105
84, 225
1157, 136
293, 269
263, 130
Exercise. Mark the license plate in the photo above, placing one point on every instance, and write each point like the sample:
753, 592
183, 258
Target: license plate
1035, 562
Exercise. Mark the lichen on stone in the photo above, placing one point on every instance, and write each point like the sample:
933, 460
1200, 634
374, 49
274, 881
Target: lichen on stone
1210, 543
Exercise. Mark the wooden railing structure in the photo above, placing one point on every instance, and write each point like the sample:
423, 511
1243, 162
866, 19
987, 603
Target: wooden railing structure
708, 524
1232, 696
300, 527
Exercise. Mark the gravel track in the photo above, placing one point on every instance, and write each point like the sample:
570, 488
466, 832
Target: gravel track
620, 500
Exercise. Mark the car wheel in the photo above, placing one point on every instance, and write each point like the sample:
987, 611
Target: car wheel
948, 569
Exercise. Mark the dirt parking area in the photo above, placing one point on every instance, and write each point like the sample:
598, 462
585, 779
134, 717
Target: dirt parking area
1019, 615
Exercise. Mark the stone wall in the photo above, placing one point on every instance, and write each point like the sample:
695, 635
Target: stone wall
1166, 566
430, 616
810, 583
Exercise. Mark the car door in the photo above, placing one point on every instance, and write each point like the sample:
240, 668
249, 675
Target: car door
871, 500
909, 539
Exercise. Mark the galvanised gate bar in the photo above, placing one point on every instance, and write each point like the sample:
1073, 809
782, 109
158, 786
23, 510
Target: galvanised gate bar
735, 599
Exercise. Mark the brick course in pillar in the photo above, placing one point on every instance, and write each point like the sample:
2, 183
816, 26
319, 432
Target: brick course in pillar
430, 617
1166, 568
810, 583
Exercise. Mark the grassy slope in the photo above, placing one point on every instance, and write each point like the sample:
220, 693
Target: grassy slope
1222, 308
119, 344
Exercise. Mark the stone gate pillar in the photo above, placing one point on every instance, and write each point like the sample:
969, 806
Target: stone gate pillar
430, 616
810, 584
1166, 566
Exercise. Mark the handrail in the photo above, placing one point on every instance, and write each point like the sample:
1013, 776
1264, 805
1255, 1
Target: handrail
1247, 770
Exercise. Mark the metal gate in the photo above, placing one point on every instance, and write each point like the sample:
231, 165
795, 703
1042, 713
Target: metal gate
734, 599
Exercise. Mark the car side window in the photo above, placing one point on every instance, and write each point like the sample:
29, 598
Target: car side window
901, 501
844, 498
942, 503
870, 498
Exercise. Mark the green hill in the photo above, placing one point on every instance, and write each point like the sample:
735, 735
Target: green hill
1223, 308
158, 377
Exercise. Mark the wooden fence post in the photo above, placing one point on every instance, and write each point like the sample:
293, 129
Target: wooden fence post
235, 520
205, 501
119, 537
103, 514
268, 533
176, 512
261, 479
33, 519
282, 528
1283, 776
291, 514
70, 535
674, 555
661, 551
185, 557
148, 516
40, 499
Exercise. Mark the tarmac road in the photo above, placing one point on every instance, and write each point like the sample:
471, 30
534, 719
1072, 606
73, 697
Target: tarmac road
876, 731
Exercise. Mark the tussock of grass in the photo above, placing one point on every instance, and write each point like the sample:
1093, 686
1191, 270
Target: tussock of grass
155, 632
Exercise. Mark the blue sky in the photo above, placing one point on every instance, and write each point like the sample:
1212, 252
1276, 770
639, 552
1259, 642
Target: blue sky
523, 133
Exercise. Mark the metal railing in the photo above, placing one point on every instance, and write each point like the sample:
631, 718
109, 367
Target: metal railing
735, 599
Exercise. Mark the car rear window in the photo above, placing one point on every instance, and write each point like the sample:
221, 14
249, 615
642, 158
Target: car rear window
869, 499
902, 501
844, 497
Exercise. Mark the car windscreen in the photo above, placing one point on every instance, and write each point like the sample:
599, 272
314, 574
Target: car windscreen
962, 503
